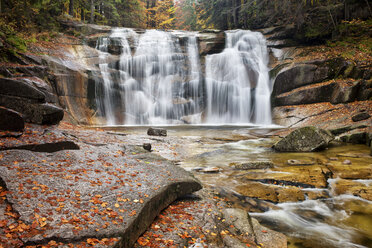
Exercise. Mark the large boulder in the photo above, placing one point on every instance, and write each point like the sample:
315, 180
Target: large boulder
306, 95
298, 75
306, 139
34, 112
19, 88
345, 92
31, 97
365, 90
11, 120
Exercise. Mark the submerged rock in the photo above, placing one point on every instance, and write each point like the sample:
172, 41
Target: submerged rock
253, 165
156, 132
208, 170
306, 139
359, 188
300, 162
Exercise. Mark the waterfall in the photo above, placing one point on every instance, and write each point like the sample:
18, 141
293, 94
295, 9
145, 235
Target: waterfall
105, 103
156, 78
193, 90
107, 100
237, 80
152, 85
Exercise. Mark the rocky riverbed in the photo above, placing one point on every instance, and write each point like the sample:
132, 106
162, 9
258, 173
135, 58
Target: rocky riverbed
67, 186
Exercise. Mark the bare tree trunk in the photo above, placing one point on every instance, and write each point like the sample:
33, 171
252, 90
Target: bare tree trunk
71, 8
245, 14
82, 14
237, 12
1, 3
92, 11
369, 7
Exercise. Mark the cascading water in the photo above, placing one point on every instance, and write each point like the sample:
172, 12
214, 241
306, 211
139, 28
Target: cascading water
237, 80
157, 68
105, 104
159, 80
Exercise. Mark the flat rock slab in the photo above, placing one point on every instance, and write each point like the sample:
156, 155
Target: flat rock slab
39, 139
322, 115
106, 195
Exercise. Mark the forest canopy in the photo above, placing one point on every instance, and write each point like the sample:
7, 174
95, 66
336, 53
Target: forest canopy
313, 19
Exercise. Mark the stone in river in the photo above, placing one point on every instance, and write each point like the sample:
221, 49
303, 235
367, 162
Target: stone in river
156, 132
300, 162
306, 139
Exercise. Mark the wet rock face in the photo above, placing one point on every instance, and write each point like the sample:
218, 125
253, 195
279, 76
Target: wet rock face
307, 139
211, 42
18, 88
33, 98
11, 120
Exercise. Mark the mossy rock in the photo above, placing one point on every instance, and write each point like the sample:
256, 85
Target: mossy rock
306, 139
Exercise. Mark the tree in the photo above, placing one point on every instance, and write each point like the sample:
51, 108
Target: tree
186, 15
92, 9
164, 17
71, 8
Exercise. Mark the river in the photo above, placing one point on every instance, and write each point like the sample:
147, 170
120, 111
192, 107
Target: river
318, 199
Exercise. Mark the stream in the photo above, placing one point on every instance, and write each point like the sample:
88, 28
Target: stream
317, 199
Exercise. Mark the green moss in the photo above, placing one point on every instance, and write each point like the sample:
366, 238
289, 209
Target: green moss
348, 70
17, 42
315, 31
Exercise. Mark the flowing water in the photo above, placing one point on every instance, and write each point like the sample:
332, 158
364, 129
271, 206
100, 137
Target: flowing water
159, 79
237, 80
313, 208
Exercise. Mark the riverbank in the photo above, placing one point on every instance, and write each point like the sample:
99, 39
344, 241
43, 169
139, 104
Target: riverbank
74, 186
